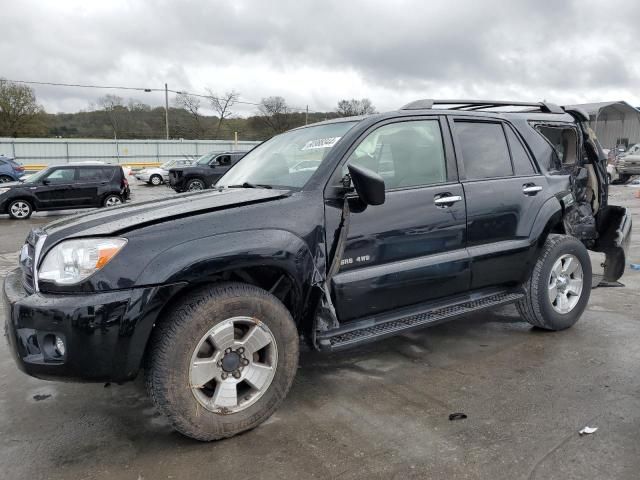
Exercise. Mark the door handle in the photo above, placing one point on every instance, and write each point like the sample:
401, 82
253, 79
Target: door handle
531, 189
446, 200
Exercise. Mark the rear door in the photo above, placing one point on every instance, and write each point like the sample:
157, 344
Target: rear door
89, 182
411, 249
504, 193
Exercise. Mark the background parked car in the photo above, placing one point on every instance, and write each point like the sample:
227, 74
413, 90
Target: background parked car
65, 186
10, 170
160, 175
204, 173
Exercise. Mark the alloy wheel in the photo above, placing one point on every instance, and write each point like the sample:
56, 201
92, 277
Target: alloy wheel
196, 185
20, 209
233, 365
112, 201
565, 283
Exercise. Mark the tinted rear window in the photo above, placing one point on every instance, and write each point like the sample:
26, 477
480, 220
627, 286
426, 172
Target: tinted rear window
521, 161
95, 174
484, 150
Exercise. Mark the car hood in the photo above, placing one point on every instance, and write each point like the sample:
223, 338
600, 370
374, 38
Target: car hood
119, 220
11, 184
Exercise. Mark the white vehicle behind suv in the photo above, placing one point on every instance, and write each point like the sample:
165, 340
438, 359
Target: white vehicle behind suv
159, 175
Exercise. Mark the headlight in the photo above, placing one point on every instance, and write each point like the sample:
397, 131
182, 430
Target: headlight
4, 190
72, 261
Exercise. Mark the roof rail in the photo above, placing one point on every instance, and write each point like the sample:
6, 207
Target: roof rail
427, 104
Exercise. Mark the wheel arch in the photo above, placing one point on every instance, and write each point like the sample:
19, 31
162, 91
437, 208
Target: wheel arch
275, 260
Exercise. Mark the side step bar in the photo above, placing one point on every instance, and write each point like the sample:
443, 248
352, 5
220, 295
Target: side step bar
417, 316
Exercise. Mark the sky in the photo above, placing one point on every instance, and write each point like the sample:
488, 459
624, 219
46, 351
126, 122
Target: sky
317, 52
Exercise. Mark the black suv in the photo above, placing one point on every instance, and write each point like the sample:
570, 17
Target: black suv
204, 173
474, 206
63, 187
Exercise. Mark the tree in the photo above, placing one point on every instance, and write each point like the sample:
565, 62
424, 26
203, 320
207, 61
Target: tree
353, 107
114, 107
275, 114
20, 114
192, 105
222, 105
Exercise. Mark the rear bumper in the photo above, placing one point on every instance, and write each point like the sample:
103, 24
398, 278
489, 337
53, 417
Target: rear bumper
104, 334
614, 229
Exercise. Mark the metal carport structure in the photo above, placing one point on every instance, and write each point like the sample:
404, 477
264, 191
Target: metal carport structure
615, 123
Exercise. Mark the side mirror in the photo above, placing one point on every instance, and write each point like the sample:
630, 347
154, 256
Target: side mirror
45, 182
368, 184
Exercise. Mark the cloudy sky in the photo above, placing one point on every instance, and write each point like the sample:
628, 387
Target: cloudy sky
317, 52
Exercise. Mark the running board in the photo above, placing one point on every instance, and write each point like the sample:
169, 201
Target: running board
417, 316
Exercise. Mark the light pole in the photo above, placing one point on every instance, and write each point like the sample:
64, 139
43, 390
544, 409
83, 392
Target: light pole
166, 108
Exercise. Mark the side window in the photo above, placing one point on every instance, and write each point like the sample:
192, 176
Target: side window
521, 161
93, 174
61, 175
223, 160
484, 150
564, 141
405, 154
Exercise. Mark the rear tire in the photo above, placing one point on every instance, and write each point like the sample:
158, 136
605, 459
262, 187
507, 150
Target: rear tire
210, 336
155, 180
558, 289
195, 185
20, 209
112, 200
5, 179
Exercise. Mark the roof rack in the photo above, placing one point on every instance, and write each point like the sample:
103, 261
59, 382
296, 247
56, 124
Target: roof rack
467, 105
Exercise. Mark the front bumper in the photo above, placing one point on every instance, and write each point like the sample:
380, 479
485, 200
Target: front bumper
105, 334
143, 177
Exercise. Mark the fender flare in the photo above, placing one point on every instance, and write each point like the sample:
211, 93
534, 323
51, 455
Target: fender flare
204, 259
549, 215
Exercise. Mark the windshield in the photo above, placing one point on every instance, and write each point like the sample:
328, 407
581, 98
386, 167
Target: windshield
36, 177
168, 164
278, 162
204, 159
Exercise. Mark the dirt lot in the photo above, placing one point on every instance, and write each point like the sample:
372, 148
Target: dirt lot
376, 412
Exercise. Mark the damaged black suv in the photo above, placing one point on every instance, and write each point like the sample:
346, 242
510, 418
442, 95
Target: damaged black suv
405, 219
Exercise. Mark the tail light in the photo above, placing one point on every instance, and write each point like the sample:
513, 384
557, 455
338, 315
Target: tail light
19, 168
125, 182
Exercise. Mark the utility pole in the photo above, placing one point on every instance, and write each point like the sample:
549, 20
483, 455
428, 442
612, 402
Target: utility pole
166, 108
306, 116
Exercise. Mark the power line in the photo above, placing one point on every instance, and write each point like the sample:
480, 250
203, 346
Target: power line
139, 89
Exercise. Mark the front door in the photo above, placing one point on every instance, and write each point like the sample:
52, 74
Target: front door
504, 193
410, 249
54, 190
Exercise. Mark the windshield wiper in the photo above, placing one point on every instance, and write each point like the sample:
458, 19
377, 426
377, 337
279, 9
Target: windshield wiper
250, 185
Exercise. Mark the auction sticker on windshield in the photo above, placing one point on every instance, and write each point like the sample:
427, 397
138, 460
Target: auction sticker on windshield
321, 143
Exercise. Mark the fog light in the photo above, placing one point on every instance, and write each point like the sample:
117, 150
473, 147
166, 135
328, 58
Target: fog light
60, 347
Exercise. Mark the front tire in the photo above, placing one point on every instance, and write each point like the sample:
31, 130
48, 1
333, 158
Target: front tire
20, 210
558, 289
155, 180
5, 179
195, 185
222, 360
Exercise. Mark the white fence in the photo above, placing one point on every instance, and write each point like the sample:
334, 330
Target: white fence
50, 151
